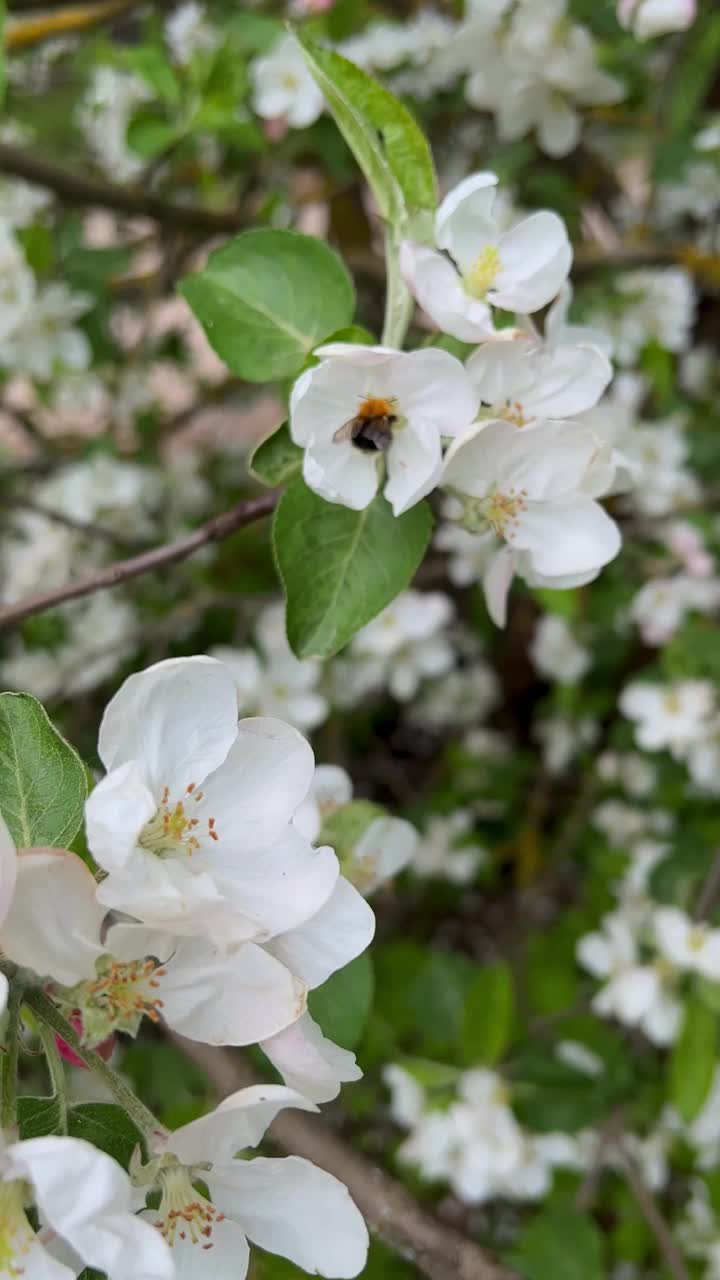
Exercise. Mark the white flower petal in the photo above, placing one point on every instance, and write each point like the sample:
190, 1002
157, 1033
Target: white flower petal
177, 718
571, 536
309, 1062
55, 919
237, 1123
437, 287
86, 1198
535, 257
116, 811
340, 930
234, 998
266, 775
414, 463
341, 473
293, 1208
496, 582
464, 223
224, 1255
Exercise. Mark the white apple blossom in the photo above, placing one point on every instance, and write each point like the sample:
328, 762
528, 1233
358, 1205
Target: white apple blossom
658, 303
441, 852
283, 86
621, 823
103, 116
85, 1201
45, 340
193, 823
533, 73
405, 644
630, 770
519, 270
374, 846
460, 698
534, 489
661, 605
522, 380
668, 716
562, 739
688, 944
476, 1144
414, 399
287, 1206
188, 31
635, 992
275, 682
556, 653
648, 18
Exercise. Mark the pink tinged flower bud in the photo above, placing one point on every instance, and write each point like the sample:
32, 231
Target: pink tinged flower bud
69, 1055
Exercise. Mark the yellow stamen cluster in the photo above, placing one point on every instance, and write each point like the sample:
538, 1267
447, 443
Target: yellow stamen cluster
122, 992
501, 510
513, 412
184, 1213
173, 829
483, 273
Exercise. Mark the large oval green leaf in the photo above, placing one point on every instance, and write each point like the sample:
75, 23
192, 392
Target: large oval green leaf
267, 298
43, 784
339, 567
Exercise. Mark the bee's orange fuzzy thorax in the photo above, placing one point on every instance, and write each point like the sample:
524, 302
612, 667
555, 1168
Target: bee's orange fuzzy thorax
374, 407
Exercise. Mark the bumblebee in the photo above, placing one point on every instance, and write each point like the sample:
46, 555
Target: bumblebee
371, 428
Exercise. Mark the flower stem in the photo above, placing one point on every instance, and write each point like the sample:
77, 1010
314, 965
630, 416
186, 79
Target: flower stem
49, 1013
398, 303
9, 1062
56, 1071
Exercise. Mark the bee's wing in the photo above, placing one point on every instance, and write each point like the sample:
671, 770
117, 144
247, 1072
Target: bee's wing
345, 432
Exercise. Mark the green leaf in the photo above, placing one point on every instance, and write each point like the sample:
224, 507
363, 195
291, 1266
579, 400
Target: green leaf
340, 568
267, 298
277, 458
694, 75
692, 1062
106, 1126
560, 1244
489, 1007
38, 1117
43, 786
385, 139
149, 133
342, 1004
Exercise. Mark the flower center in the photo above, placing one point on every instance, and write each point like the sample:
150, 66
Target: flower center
514, 412
16, 1234
499, 510
484, 271
174, 829
184, 1213
119, 997
697, 938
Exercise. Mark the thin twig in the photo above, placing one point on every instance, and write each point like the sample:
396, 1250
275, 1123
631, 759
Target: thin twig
438, 1251
648, 1207
76, 189
215, 530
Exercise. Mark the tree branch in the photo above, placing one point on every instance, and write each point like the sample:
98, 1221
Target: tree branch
648, 1207
215, 530
438, 1251
76, 189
